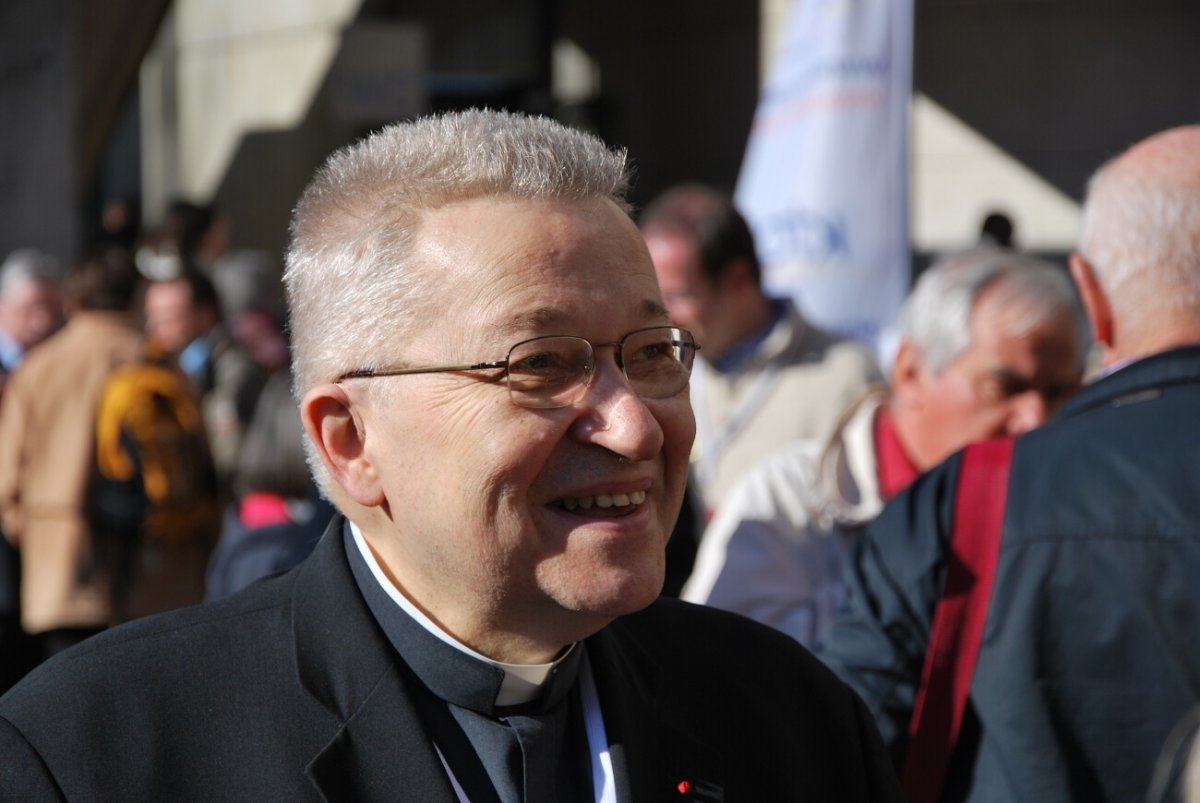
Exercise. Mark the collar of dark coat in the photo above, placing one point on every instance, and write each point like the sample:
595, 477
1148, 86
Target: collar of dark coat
1138, 381
378, 751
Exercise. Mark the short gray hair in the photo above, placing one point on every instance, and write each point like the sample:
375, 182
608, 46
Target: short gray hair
937, 315
351, 290
1141, 235
27, 265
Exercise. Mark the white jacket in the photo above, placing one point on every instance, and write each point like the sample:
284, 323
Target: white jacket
776, 549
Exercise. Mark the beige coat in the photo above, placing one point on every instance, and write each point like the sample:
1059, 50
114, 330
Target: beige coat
47, 432
793, 387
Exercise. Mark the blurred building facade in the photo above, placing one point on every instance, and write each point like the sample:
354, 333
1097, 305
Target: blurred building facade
237, 103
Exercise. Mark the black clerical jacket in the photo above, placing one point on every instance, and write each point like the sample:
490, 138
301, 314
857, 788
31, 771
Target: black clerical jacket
290, 691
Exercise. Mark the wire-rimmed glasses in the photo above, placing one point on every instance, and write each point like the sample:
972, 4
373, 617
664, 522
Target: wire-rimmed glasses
556, 370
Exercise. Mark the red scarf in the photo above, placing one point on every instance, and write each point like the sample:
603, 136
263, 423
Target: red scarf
896, 471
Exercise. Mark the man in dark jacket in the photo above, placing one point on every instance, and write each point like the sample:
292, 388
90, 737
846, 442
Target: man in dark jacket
496, 401
1090, 649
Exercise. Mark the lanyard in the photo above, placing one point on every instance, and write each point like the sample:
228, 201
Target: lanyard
712, 443
603, 780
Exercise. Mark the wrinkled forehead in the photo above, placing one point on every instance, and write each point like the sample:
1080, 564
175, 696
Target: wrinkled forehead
1044, 338
519, 266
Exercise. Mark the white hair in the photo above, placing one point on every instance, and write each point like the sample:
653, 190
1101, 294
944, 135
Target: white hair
352, 290
350, 287
27, 265
1141, 235
936, 317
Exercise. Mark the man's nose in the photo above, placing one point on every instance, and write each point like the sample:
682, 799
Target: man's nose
612, 415
1029, 411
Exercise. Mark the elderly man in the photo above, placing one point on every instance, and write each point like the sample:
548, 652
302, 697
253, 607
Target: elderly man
30, 305
30, 311
991, 344
768, 376
1085, 651
47, 452
496, 400
183, 317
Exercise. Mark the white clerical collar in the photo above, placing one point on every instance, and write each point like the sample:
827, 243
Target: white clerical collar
522, 682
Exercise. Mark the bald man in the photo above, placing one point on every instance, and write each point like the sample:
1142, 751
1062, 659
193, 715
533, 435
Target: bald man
1089, 650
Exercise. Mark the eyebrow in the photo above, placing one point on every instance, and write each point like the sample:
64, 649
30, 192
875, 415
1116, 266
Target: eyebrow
1018, 383
1009, 377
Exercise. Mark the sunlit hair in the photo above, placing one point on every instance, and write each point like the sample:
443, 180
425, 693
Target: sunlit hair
1141, 234
27, 265
353, 292
937, 315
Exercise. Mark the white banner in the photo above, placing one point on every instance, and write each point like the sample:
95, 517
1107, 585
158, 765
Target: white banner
824, 183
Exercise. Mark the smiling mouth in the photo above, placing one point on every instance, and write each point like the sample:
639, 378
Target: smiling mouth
602, 505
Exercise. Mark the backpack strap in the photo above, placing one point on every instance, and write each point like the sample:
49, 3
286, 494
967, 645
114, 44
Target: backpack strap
958, 618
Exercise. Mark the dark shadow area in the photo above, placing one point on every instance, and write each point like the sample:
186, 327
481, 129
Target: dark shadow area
1061, 85
678, 90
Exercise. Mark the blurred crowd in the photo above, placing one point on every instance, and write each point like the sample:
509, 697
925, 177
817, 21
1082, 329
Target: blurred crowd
214, 318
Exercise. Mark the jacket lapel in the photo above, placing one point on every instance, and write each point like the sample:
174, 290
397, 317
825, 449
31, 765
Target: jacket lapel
378, 749
653, 758
382, 754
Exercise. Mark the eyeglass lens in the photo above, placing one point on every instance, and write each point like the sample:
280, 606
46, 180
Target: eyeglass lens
554, 371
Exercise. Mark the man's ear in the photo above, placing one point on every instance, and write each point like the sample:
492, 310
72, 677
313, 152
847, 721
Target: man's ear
907, 369
340, 437
1095, 301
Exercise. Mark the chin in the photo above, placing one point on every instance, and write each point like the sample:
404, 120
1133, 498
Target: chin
607, 591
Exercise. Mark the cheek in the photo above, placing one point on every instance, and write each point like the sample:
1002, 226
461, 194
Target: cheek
498, 467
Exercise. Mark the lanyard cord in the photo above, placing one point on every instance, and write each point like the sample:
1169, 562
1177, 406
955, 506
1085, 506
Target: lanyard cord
712, 444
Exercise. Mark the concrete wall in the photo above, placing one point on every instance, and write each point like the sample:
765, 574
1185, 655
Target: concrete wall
1055, 87
1026, 97
38, 147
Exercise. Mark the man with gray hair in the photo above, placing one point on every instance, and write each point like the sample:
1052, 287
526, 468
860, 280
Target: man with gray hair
30, 305
991, 343
1083, 654
495, 399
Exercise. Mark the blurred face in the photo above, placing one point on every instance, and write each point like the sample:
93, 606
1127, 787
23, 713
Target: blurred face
692, 298
1008, 381
517, 518
31, 312
171, 321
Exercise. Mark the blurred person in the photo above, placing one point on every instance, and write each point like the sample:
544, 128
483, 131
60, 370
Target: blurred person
121, 223
198, 233
47, 443
997, 230
191, 236
30, 305
183, 316
991, 343
30, 311
1086, 652
278, 516
766, 376
251, 295
496, 400
17, 651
